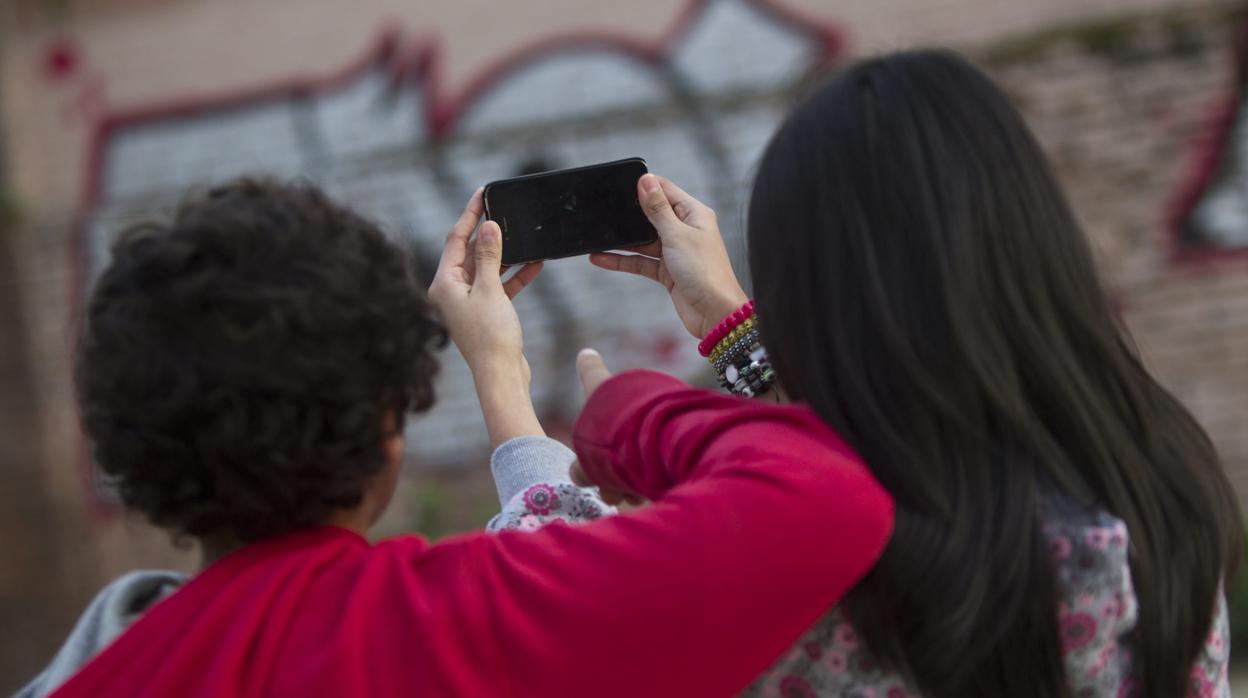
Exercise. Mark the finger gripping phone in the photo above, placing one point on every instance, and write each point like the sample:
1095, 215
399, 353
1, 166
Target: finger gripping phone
569, 212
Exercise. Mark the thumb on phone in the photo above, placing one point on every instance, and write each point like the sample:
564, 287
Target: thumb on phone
655, 204
592, 370
488, 255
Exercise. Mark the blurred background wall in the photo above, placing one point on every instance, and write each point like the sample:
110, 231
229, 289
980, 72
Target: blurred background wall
110, 110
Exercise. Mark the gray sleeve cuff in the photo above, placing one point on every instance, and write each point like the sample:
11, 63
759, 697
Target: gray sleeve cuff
528, 460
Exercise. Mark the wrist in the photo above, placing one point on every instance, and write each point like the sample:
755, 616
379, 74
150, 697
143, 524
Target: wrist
499, 370
503, 392
721, 307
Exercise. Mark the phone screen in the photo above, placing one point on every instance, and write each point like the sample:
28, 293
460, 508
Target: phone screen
569, 212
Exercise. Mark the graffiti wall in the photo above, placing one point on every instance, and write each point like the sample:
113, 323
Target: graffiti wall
1215, 214
1119, 104
698, 105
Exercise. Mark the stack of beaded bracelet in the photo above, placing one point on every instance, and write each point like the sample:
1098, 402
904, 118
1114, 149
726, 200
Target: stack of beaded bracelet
728, 324
736, 333
749, 375
740, 346
734, 350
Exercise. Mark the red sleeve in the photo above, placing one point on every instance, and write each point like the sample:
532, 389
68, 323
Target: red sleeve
762, 520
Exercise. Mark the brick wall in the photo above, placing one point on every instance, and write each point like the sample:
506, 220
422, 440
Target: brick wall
1128, 111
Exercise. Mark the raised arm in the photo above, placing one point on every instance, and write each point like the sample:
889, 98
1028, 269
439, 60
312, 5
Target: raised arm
762, 520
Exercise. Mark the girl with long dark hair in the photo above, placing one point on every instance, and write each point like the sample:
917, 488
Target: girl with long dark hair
1063, 527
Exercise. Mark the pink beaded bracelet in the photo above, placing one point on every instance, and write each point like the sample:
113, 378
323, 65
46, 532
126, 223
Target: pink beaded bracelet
728, 324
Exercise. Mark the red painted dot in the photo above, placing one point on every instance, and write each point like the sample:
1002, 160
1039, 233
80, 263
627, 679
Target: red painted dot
61, 59
665, 348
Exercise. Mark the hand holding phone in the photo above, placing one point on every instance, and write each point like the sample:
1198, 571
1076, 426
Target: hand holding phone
691, 262
476, 306
570, 212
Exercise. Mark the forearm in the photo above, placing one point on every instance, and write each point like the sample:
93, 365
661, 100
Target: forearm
754, 534
644, 432
503, 391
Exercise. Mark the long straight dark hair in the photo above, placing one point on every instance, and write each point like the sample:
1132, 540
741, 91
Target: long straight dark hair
924, 287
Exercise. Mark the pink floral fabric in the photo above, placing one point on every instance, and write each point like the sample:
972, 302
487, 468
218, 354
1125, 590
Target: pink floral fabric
540, 499
1096, 612
544, 502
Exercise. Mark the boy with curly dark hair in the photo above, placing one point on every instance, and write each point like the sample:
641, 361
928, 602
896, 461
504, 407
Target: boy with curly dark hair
244, 375
242, 369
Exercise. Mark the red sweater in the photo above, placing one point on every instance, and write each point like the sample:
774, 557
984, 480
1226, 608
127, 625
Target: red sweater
762, 519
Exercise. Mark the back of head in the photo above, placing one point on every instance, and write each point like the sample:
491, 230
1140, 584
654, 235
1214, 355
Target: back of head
925, 287
242, 364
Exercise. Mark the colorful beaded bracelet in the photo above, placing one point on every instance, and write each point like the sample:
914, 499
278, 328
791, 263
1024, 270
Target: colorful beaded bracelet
749, 325
725, 326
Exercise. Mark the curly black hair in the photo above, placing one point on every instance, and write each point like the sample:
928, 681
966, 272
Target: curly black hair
237, 364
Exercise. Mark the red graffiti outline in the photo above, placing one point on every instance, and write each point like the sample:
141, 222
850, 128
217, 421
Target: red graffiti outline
1206, 156
422, 63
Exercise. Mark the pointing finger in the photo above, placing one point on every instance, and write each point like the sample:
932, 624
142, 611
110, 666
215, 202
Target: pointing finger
593, 371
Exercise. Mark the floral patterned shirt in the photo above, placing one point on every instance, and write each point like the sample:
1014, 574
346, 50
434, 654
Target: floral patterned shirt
534, 487
1097, 605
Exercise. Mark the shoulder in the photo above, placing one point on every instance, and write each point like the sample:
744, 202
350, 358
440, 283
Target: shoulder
1097, 605
121, 602
1209, 675
108, 615
1089, 550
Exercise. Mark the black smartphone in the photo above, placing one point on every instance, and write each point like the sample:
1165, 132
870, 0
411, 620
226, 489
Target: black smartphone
569, 212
